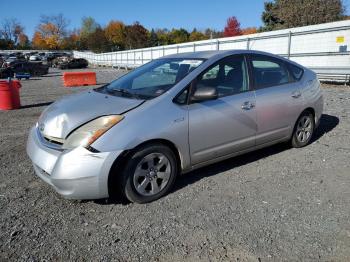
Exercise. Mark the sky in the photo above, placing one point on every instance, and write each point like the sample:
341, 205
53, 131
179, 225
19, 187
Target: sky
169, 14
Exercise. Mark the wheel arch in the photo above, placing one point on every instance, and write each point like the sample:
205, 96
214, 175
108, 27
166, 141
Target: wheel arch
309, 109
120, 162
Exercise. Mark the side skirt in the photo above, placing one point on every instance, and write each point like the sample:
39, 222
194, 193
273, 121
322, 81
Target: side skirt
218, 159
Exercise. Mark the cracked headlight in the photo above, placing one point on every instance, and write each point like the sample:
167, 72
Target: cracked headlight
88, 133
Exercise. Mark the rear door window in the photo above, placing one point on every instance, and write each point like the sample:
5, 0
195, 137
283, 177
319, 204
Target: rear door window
268, 71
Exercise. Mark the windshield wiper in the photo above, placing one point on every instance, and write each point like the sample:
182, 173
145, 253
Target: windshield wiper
119, 90
128, 93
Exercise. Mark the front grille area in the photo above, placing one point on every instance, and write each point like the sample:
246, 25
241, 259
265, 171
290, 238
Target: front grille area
50, 142
53, 140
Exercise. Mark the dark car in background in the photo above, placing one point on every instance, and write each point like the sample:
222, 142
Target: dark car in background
20, 67
11, 61
73, 63
53, 59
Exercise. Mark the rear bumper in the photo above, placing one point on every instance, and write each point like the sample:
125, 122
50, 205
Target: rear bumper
76, 173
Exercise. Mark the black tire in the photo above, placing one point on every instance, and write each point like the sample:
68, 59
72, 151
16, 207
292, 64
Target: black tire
128, 175
302, 131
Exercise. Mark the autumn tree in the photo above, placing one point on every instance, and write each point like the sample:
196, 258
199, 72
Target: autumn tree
50, 31
115, 34
280, 14
249, 30
233, 27
136, 36
59, 22
23, 41
38, 41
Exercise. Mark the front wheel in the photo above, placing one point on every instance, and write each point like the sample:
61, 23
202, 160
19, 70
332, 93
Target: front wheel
149, 174
303, 130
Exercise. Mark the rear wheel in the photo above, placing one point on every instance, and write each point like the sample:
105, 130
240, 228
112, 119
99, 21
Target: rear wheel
303, 130
149, 173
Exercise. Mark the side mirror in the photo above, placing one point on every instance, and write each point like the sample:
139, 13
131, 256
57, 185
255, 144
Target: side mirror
204, 93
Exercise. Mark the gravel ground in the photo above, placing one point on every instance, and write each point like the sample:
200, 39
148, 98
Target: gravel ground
271, 205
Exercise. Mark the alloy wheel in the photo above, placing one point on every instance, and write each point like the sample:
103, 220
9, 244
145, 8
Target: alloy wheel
152, 174
304, 129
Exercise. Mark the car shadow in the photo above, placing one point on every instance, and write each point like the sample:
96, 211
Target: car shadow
110, 201
37, 105
327, 124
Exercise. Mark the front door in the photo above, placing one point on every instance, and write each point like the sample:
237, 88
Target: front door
228, 124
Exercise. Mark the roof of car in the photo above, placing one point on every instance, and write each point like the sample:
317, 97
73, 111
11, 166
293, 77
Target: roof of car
210, 54
222, 53
198, 55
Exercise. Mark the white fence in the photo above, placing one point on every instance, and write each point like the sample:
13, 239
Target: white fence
318, 46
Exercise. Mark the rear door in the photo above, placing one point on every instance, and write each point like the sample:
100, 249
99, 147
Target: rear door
278, 98
228, 124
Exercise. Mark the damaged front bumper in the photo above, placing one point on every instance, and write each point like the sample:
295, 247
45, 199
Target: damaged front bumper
76, 173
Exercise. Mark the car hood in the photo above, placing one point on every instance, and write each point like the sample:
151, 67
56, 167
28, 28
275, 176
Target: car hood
67, 114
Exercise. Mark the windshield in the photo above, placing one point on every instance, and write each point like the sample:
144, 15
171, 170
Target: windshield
152, 79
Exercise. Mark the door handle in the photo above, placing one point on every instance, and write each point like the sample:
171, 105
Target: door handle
179, 119
247, 105
296, 94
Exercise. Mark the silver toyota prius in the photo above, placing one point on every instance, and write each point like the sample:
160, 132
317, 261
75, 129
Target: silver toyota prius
170, 116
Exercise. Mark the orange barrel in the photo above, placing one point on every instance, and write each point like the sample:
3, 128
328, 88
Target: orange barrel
6, 102
15, 88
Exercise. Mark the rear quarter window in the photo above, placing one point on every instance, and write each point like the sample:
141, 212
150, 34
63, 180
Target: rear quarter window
295, 71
